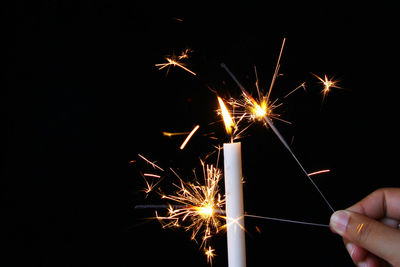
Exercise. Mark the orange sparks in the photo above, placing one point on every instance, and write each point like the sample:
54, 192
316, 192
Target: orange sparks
175, 61
150, 185
169, 134
328, 84
319, 172
189, 136
151, 175
210, 254
151, 163
198, 207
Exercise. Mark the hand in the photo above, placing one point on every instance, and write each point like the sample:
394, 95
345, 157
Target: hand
370, 229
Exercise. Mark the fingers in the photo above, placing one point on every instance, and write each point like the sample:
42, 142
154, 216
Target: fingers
362, 231
362, 257
390, 222
356, 253
381, 203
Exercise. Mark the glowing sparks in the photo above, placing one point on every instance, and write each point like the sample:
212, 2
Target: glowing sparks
262, 107
176, 61
257, 110
210, 254
198, 206
328, 84
151, 175
151, 163
189, 136
229, 124
170, 134
150, 185
319, 172
303, 85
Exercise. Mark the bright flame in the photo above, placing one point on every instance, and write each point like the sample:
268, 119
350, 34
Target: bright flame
260, 110
229, 124
205, 211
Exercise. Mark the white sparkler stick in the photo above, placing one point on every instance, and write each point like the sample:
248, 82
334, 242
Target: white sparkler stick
234, 205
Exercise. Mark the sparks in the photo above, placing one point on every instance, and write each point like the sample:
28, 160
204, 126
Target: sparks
210, 254
170, 134
328, 84
258, 112
151, 163
198, 206
176, 61
319, 172
189, 136
257, 108
150, 185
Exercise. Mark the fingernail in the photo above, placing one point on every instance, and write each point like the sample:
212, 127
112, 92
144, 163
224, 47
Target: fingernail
350, 248
339, 221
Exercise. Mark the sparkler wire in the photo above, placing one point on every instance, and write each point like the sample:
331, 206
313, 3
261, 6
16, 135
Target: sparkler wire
223, 212
277, 133
285, 220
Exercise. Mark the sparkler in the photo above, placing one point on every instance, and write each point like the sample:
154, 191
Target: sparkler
260, 113
198, 207
176, 61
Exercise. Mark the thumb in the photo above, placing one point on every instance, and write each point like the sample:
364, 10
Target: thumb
376, 237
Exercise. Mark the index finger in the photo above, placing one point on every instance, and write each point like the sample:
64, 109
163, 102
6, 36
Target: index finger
384, 202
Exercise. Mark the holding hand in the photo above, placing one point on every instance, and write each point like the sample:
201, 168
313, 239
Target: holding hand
370, 228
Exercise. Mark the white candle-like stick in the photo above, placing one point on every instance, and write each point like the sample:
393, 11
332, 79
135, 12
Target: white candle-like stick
234, 205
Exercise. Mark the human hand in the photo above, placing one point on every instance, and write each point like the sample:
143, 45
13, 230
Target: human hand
370, 229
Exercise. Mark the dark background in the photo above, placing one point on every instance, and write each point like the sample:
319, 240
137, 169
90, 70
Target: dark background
84, 98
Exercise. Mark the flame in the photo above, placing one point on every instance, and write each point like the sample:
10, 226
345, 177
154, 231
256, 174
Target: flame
229, 124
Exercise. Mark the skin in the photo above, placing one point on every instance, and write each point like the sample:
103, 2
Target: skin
370, 229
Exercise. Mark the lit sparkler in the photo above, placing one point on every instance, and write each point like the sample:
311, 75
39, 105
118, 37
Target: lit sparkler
198, 204
261, 107
197, 207
176, 61
265, 114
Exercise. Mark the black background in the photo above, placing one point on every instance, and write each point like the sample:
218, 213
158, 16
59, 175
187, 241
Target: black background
84, 98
